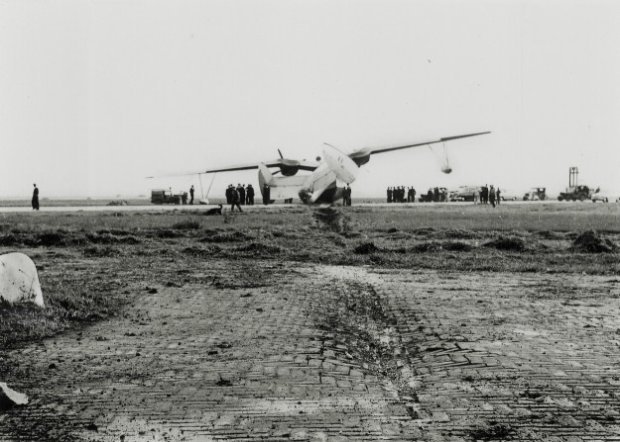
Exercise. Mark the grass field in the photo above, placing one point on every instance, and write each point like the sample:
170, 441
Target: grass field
91, 264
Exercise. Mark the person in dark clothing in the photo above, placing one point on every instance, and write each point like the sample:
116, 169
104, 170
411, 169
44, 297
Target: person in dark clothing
436, 194
266, 194
413, 194
241, 190
498, 196
249, 195
35, 198
346, 196
191, 194
492, 196
234, 200
390, 194
228, 194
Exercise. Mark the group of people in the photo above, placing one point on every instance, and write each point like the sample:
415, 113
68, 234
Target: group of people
435, 195
400, 194
239, 196
489, 195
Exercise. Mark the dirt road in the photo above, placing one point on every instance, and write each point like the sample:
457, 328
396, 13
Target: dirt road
335, 353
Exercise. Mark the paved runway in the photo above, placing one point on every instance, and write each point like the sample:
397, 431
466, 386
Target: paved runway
335, 353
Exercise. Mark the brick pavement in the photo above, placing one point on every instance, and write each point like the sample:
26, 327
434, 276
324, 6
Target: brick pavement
492, 356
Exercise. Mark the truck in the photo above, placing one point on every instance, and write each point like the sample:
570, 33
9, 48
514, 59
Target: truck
162, 196
464, 193
536, 194
577, 193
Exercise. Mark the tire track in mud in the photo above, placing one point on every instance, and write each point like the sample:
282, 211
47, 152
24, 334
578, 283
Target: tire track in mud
492, 356
361, 327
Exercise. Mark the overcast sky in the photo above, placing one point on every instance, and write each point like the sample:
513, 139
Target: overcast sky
96, 95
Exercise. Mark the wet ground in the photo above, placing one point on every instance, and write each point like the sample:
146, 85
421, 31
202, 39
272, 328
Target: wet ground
333, 353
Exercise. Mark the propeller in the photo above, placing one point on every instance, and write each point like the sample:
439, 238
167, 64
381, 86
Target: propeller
288, 166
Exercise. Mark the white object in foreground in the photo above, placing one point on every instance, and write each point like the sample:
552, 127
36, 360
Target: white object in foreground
19, 281
10, 397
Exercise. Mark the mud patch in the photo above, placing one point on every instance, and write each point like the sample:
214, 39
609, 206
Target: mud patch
592, 242
506, 243
362, 328
366, 248
333, 219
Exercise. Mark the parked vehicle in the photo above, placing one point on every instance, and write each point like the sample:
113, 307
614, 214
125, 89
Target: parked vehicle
577, 193
605, 197
536, 194
160, 196
464, 193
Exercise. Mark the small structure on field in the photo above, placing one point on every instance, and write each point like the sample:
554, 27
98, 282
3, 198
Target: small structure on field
19, 280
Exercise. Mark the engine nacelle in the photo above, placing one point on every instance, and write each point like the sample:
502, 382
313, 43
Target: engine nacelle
361, 157
289, 169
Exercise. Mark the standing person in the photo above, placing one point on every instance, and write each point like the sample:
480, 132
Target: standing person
249, 195
191, 194
492, 196
228, 194
389, 194
413, 194
35, 198
234, 200
498, 196
241, 190
347, 192
266, 194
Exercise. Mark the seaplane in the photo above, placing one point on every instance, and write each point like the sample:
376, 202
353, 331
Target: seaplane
320, 186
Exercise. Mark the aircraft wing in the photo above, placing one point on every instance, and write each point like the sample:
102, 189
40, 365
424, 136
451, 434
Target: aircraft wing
425, 143
301, 165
